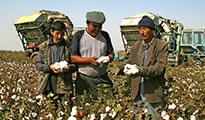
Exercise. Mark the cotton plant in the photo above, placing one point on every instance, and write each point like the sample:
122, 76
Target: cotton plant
19, 81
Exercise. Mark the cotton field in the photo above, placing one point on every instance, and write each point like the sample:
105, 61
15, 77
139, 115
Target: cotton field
185, 98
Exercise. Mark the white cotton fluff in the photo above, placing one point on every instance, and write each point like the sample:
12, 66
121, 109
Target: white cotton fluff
130, 69
60, 65
103, 59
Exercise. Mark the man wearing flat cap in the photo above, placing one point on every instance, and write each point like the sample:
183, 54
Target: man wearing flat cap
92, 50
150, 57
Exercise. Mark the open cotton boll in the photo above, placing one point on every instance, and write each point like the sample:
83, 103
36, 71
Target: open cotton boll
103, 59
60, 65
134, 70
130, 69
56, 65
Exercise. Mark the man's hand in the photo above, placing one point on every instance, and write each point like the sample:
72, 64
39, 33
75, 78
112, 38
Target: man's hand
139, 73
66, 68
93, 61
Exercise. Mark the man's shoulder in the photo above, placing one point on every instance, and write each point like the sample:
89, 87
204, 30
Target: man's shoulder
160, 42
137, 43
80, 32
44, 45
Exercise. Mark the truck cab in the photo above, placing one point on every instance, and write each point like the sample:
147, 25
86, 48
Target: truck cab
193, 42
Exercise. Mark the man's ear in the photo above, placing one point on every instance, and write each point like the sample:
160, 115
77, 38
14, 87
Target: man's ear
51, 31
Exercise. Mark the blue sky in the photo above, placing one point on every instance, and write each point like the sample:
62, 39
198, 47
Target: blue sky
189, 12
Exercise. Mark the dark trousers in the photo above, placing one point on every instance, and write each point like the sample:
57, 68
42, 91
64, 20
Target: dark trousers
91, 87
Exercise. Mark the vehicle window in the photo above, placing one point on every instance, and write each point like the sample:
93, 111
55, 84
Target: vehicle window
187, 38
198, 37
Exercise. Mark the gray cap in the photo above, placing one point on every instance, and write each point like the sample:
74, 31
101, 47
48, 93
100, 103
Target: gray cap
95, 17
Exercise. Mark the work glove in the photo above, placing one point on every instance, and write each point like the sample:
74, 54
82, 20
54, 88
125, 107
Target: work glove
103, 59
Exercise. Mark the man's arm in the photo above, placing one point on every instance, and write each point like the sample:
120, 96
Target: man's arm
79, 59
40, 66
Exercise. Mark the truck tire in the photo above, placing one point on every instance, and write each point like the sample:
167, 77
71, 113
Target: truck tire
34, 56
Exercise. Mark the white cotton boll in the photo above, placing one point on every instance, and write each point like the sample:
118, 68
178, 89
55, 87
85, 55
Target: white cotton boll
74, 111
40, 97
60, 118
63, 64
21, 110
102, 116
92, 117
61, 113
99, 60
130, 69
113, 113
34, 114
56, 65
192, 117
106, 59
107, 109
172, 106
166, 117
163, 113
180, 118
195, 112
13, 96
49, 115
127, 71
60, 65
134, 69
103, 59
72, 118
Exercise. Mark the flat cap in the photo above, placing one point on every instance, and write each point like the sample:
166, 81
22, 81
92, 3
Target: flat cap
95, 17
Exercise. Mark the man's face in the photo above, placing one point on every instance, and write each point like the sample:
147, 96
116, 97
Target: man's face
57, 35
146, 33
93, 30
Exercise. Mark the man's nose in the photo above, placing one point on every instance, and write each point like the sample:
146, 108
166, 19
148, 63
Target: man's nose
60, 36
141, 31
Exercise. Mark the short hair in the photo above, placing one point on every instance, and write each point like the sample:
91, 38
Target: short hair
58, 25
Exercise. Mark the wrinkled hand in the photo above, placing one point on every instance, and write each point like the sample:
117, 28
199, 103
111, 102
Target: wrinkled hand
93, 61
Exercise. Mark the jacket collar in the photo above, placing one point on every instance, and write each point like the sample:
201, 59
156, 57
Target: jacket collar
52, 43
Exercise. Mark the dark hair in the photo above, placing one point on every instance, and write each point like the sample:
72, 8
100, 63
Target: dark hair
58, 25
88, 22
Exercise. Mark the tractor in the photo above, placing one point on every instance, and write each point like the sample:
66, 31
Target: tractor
182, 43
34, 29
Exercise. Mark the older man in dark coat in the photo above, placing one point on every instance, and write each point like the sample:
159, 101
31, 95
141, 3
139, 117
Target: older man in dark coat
150, 56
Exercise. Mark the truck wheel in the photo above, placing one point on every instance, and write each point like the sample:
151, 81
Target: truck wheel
34, 56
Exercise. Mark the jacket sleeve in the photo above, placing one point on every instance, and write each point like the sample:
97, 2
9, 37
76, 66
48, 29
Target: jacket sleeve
73, 68
157, 66
40, 66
